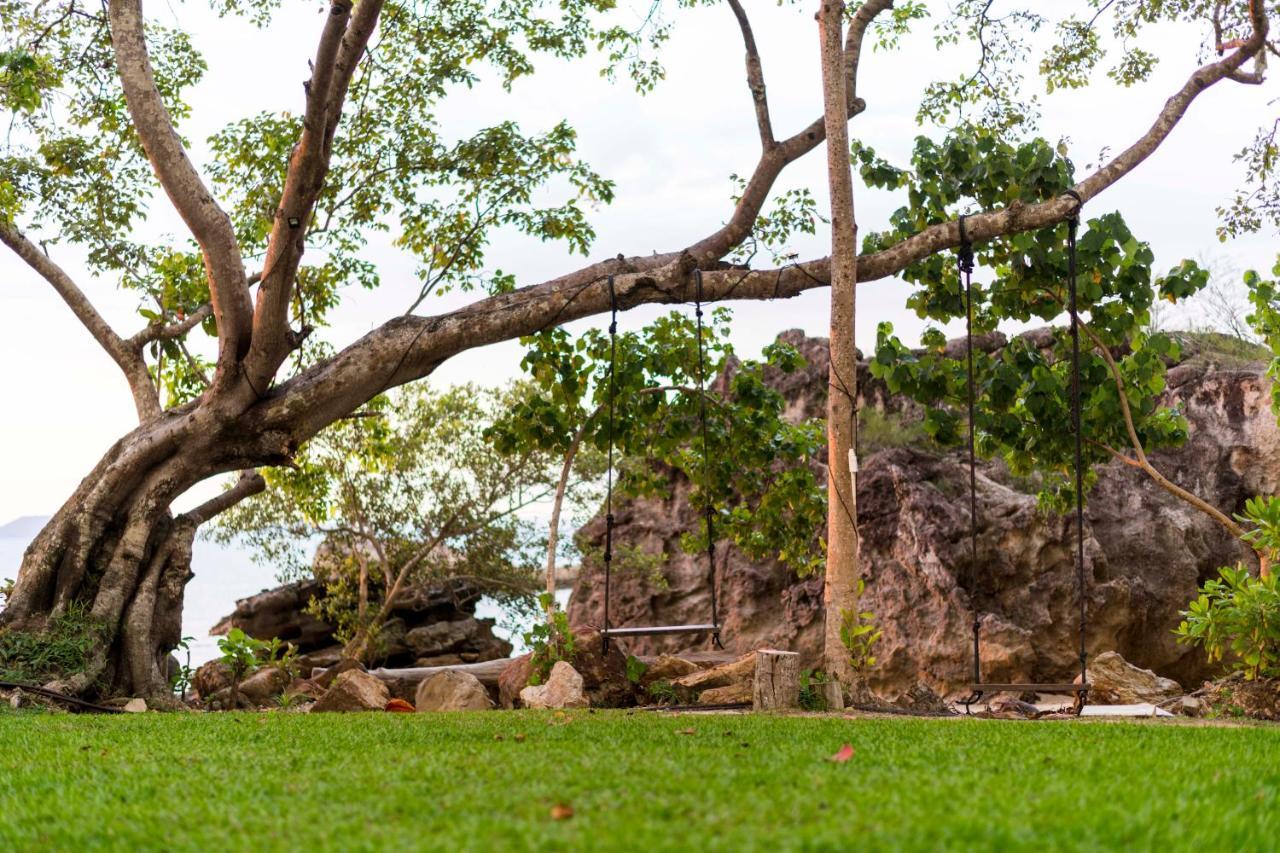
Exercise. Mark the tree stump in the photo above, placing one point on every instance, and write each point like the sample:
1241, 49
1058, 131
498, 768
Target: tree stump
777, 681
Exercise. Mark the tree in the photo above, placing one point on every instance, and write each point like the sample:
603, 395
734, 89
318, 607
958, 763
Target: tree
750, 468
1023, 391
407, 490
95, 97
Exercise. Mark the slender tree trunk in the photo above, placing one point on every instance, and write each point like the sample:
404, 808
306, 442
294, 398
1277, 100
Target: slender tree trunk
842, 529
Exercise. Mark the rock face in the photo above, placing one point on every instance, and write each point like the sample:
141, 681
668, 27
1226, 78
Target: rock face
428, 626
514, 679
564, 689
354, 690
452, 691
1146, 551
1115, 681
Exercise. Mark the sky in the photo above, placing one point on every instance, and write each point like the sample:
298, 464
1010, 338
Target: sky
671, 154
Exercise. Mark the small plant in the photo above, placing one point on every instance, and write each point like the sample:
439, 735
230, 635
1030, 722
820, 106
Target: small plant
286, 700
181, 680
550, 640
62, 648
1264, 513
663, 693
1236, 619
240, 655
635, 669
859, 635
812, 697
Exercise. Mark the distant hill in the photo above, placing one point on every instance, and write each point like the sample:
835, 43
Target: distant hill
25, 527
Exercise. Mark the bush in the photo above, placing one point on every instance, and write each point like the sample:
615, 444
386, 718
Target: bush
550, 639
1236, 619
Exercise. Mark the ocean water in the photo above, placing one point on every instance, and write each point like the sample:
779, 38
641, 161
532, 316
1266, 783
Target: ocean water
224, 574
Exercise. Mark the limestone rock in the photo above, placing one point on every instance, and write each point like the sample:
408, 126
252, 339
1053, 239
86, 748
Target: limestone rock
1115, 681
564, 689
264, 685
667, 668
426, 621
604, 675
1146, 552
354, 690
731, 694
740, 671
514, 679
451, 690
210, 678
135, 706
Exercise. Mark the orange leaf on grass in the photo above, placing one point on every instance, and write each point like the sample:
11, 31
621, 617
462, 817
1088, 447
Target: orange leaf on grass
845, 753
399, 706
561, 811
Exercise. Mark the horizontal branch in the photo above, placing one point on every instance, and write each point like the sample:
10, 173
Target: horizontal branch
159, 331
249, 484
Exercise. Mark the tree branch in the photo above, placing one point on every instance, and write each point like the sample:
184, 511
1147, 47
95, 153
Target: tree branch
249, 484
207, 221
755, 76
160, 332
126, 356
342, 43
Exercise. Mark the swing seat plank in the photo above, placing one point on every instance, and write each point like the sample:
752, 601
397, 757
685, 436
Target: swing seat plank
650, 630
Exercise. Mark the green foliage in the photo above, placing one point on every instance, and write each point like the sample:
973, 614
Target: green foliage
859, 635
1023, 412
754, 470
811, 696
1263, 513
1236, 619
635, 669
551, 641
63, 648
878, 430
1264, 298
663, 692
180, 681
240, 652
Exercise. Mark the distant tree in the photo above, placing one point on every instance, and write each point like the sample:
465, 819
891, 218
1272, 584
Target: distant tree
97, 95
407, 490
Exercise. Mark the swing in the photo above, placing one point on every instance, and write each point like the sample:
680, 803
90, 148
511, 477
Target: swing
965, 264
713, 627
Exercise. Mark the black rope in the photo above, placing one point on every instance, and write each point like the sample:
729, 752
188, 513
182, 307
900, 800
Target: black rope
706, 458
608, 518
1073, 225
964, 262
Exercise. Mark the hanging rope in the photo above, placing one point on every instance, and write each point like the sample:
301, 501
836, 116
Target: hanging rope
964, 262
706, 458
608, 518
1073, 225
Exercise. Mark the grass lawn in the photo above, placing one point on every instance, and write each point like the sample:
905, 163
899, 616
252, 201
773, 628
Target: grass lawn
639, 781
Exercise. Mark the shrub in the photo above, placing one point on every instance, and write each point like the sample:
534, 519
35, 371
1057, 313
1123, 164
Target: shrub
859, 635
1236, 619
551, 640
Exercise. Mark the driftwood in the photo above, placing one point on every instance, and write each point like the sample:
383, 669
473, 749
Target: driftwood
777, 681
486, 672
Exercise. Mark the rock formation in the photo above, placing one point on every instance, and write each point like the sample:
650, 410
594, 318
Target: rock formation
429, 625
1145, 551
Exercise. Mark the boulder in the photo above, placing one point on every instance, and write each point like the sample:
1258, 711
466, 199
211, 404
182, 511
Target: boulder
514, 679
667, 668
1146, 551
326, 678
451, 690
564, 689
426, 621
604, 675
1115, 681
740, 671
354, 690
731, 694
210, 678
264, 685
135, 706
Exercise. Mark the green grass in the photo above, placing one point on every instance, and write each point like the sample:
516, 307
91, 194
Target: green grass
444, 782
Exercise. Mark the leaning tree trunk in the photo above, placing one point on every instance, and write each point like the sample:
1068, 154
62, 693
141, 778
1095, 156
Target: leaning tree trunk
115, 549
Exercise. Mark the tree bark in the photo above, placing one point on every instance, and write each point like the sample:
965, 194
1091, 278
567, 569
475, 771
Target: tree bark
842, 511
776, 686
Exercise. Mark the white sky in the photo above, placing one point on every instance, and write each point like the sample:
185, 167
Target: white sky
670, 154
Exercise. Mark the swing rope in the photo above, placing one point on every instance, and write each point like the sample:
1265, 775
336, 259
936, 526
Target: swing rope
965, 266
714, 628
706, 458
